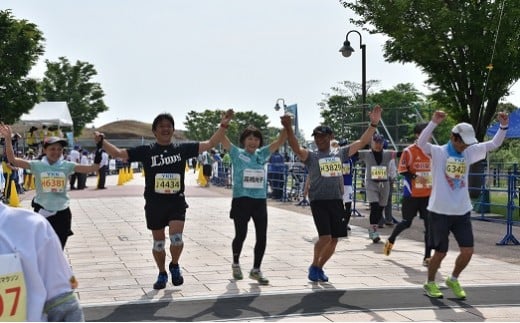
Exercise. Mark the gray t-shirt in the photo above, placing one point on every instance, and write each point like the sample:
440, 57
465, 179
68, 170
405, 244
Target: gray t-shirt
326, 173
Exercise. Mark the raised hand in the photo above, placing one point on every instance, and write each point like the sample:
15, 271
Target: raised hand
503, 118
227, 116
375, 114
438, 116
5, 130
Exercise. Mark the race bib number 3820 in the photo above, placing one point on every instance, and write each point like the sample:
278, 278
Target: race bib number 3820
13, 295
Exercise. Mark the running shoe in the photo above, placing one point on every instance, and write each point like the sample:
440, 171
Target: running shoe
432, 290
258, 276
162, 279
375, 237
321, 275
177, 278
387, 249
314, 274
426, 262
237, 272
454, 285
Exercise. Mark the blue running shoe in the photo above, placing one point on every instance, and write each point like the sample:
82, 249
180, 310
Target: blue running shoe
162, 279
177, 278
321, 275
314, 273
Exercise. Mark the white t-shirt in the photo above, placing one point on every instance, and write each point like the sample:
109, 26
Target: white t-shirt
46, 270
451, 197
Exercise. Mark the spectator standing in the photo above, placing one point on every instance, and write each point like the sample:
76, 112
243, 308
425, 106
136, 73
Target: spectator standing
75, 157
450, 204
103, 169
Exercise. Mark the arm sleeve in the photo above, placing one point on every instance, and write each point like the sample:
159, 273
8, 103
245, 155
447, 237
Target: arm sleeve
422, 141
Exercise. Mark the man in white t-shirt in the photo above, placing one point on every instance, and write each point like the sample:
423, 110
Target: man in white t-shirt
449, 204
33, 269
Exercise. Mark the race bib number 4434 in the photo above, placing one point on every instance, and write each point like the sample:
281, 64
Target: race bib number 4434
167, 183
13, 295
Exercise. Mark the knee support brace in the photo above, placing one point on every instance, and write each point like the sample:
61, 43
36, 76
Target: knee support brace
176, 239
158, 245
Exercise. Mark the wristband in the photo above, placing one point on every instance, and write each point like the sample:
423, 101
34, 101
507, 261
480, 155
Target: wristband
225, 126
374, 125
504, 128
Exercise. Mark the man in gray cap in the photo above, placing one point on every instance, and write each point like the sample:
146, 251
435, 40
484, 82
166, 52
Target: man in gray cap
325, 167
449, 204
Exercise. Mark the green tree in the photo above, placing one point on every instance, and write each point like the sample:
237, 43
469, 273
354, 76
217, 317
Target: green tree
21, 43
73, 84
468, 49
342, 109
201, 125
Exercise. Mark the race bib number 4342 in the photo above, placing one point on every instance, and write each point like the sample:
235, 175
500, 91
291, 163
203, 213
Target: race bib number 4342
13, 295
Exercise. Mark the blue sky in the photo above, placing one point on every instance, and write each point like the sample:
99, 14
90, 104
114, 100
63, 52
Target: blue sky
175, 56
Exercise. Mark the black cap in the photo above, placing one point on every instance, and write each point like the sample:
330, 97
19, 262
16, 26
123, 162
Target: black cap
322, 130
53, 140
378, 137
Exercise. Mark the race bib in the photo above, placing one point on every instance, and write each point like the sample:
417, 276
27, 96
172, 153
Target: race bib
13, 295
455, 167
330, 166
346, 168
166, 183
423, 180
53, 182
378, 173
253, 178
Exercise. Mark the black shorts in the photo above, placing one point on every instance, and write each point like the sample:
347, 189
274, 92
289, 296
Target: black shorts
412, 205
159, 213
206, 170
243, 208
61, 222
329, 217
441, 225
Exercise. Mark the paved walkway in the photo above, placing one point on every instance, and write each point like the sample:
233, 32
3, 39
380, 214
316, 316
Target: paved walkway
110, 253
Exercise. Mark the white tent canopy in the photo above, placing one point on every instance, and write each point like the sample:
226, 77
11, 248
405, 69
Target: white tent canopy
49, 114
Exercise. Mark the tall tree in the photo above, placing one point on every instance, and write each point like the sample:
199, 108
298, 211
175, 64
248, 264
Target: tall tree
21, 43
72, 83
201, 125
468, 49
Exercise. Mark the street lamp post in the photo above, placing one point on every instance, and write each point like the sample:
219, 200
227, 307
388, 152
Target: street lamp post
278, 107
347, 50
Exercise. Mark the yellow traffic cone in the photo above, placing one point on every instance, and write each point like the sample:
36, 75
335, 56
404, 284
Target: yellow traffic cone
26, 180
14, 201
32, 184
120, 177
201, 179
131, 173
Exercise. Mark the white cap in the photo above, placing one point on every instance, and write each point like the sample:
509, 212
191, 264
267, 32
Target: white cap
466, 132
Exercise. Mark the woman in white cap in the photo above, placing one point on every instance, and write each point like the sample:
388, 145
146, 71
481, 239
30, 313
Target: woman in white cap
449, 204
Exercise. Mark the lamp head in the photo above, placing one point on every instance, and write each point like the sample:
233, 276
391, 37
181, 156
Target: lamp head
277, 107
346, 50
